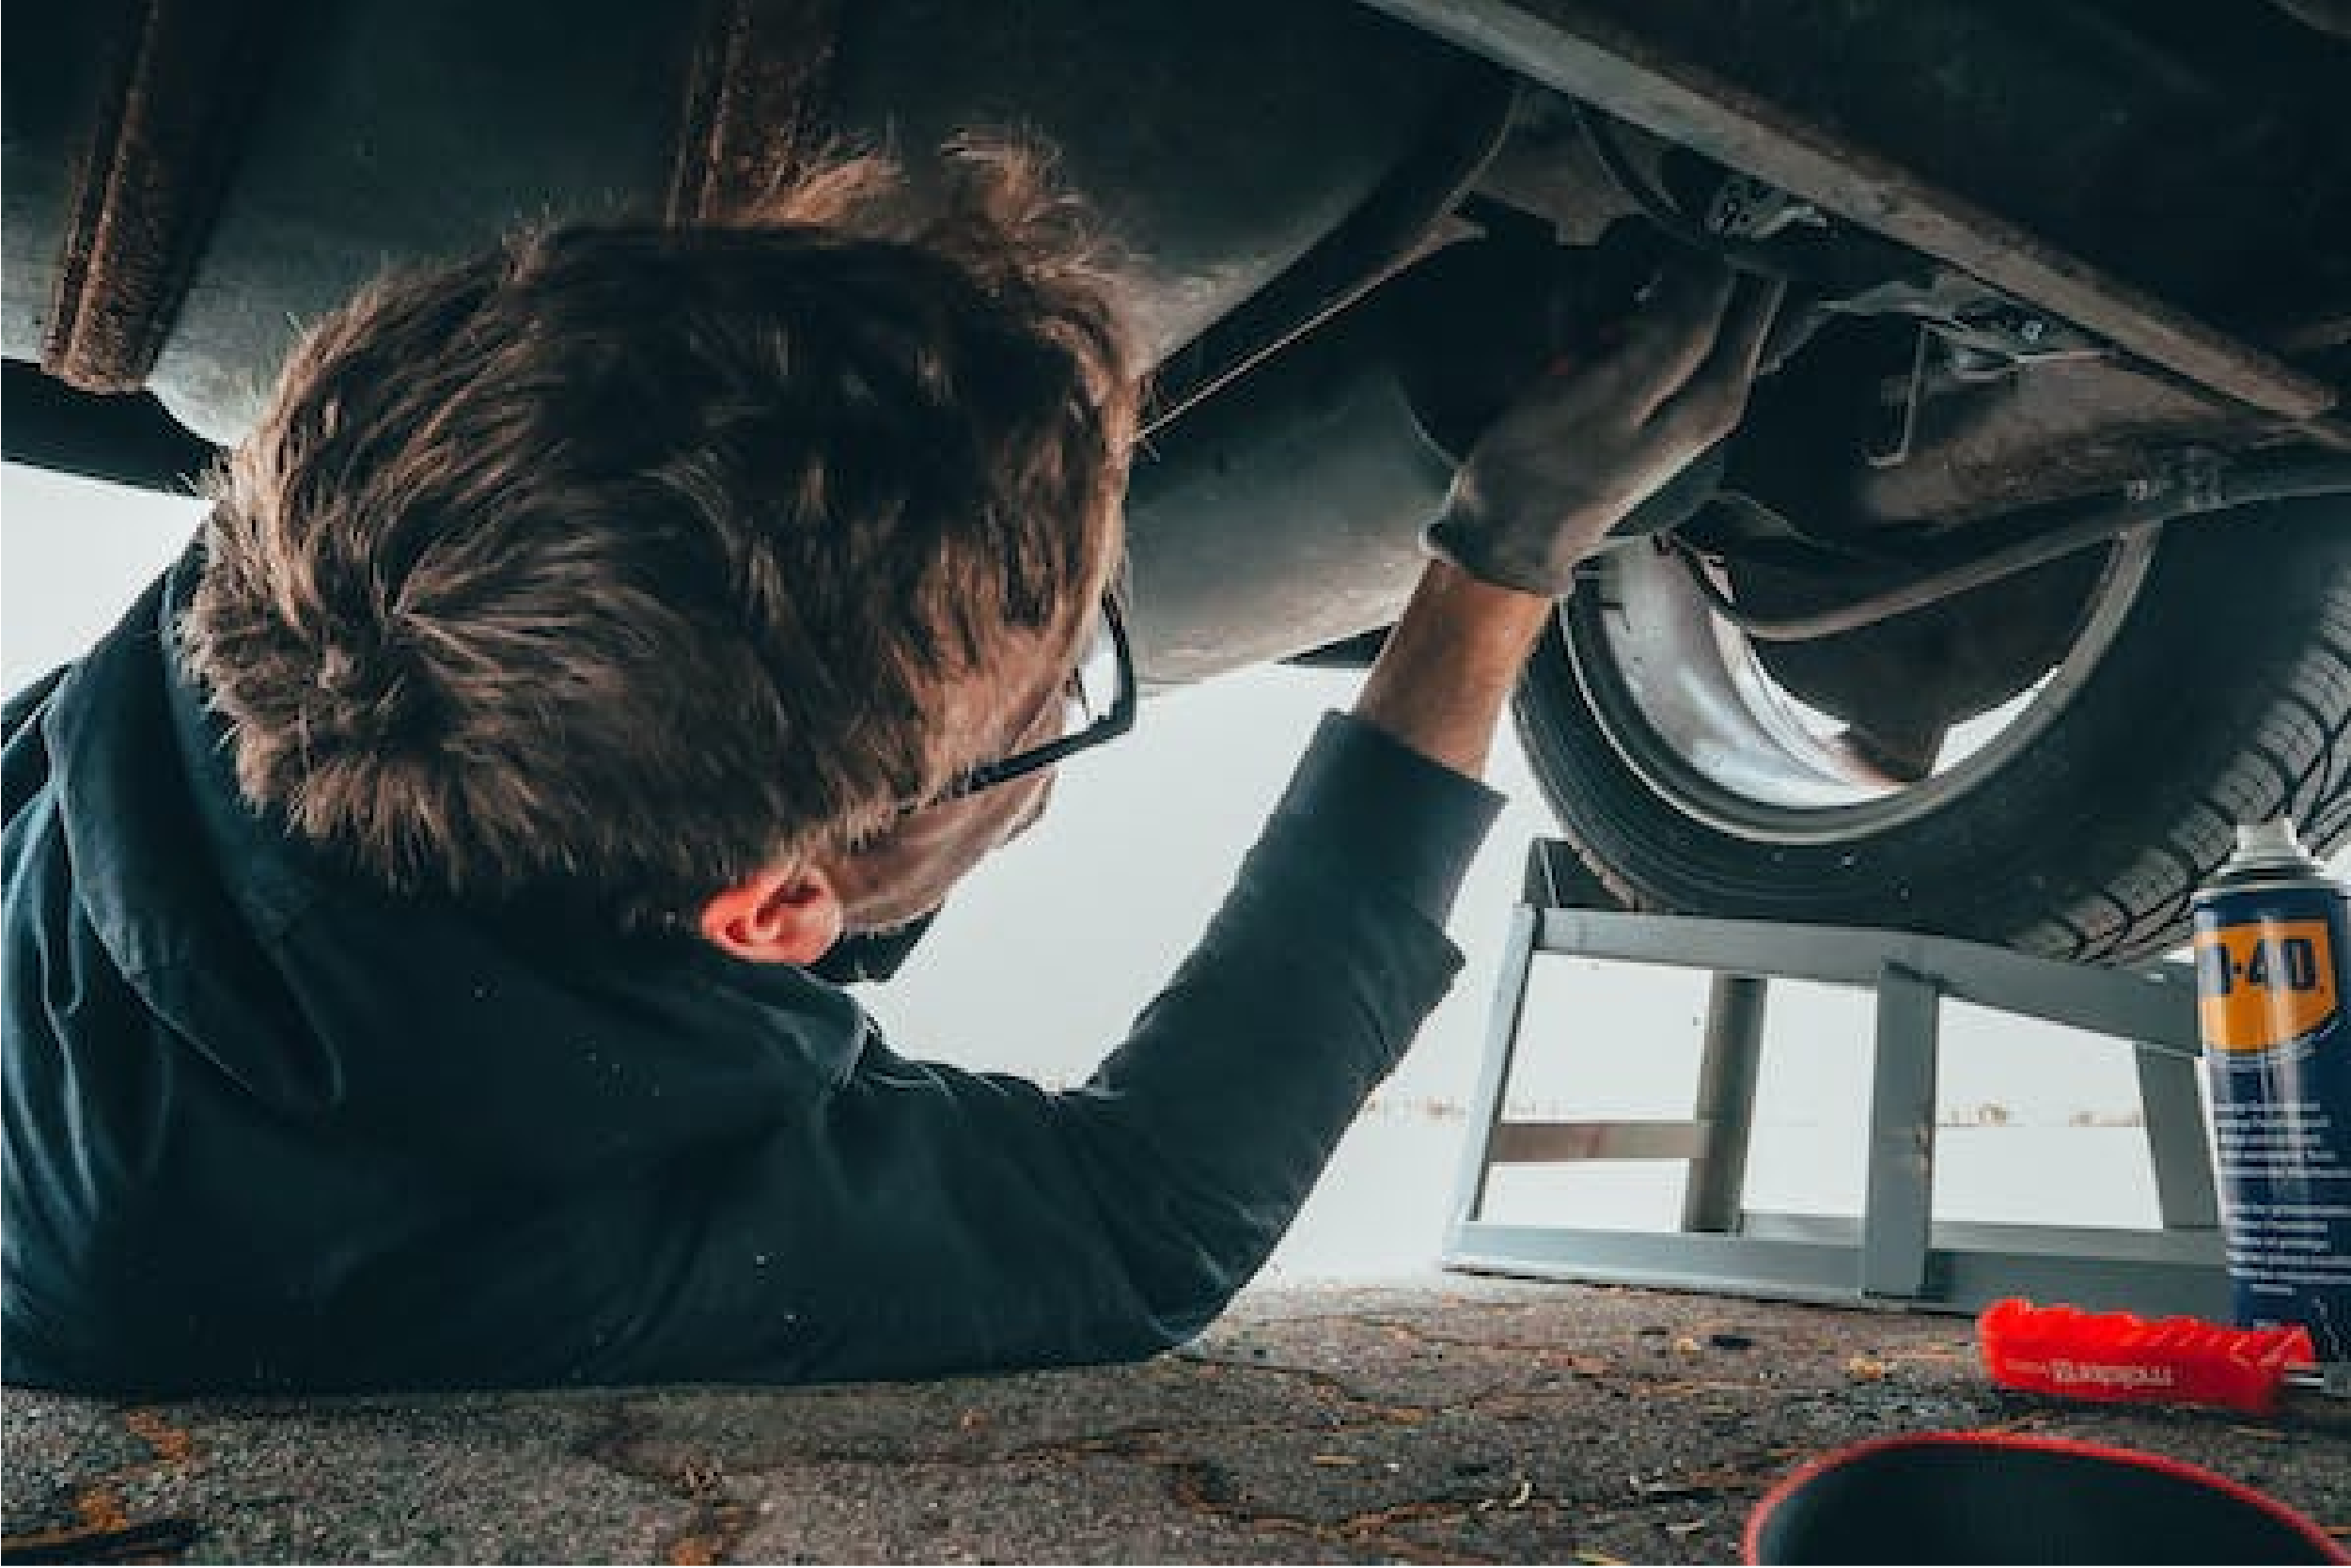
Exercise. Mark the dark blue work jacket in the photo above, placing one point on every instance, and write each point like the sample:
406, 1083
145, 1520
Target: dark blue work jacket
269, 1129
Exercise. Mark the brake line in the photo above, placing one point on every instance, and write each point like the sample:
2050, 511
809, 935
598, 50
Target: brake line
2198, 486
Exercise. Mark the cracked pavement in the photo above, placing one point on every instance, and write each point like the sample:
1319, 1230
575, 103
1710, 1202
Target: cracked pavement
1445, 1419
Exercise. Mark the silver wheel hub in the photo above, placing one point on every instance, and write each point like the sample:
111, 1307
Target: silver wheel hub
1683, 697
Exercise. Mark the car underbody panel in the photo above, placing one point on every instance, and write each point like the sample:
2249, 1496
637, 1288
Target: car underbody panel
2040, 254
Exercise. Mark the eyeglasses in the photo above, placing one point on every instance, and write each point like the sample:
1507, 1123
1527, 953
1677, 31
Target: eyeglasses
1098, 704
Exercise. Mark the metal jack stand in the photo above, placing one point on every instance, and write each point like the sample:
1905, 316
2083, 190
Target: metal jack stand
1896, 1253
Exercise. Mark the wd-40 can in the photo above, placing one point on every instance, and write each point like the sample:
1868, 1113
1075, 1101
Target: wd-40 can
2271, 942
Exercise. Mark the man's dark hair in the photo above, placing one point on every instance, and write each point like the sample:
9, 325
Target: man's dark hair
627, 559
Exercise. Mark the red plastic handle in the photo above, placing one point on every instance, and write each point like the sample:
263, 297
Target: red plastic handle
2116, 1357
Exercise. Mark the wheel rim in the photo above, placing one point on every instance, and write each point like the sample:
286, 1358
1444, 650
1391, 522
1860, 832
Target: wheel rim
1681, 698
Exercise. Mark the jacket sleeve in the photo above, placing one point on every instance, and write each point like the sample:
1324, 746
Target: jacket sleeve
926, 1220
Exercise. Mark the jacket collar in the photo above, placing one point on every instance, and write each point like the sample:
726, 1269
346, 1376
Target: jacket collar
313, 988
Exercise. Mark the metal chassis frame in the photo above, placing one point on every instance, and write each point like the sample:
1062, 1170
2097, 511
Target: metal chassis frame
1598, 51
1896, 1253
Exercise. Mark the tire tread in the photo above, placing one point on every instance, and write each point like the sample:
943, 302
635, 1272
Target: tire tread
2270, 741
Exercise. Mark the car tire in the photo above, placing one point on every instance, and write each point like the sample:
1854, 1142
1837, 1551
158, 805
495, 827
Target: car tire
2221, 693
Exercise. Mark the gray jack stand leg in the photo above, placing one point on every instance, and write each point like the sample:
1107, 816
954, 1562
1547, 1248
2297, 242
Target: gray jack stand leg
1728, 1062
1897, 1216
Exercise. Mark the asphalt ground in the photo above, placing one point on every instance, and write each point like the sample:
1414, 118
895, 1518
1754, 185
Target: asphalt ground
1445, 1419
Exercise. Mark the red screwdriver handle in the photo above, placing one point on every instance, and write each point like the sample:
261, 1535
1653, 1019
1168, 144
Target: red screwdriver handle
2116, 1357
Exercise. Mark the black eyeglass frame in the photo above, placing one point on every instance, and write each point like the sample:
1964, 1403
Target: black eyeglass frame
1109, 726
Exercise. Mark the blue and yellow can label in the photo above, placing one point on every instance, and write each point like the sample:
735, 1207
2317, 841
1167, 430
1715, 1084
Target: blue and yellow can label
2265, 983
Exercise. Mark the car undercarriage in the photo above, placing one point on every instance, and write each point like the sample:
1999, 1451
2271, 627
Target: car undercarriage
2028, 575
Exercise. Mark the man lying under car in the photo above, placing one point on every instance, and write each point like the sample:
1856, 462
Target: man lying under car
425, 911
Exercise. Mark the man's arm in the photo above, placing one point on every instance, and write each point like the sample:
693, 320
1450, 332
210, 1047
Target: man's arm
1449, 667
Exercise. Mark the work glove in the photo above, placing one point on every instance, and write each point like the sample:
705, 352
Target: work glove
1605, 429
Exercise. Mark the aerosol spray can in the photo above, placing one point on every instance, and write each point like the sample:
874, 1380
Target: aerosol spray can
2273, 935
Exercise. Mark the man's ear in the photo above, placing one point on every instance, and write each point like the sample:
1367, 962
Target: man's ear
778, 915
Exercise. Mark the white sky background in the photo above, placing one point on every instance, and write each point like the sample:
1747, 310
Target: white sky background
1045, 954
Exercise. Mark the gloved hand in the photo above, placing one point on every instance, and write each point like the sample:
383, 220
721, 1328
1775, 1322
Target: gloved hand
1597, 436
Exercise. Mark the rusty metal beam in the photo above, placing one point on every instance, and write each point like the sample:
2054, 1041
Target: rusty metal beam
1565, 1142
164, 141
758, 104
1590, 50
